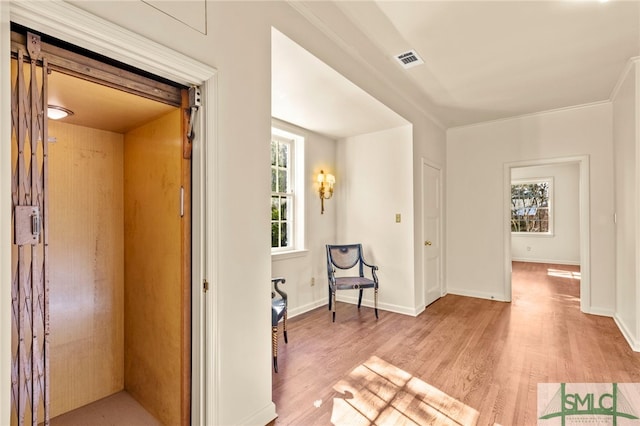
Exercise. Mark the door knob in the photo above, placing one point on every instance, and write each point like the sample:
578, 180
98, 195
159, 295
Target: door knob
427, 243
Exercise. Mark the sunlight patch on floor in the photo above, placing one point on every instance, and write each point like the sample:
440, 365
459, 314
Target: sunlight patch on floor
575, 275
378, 393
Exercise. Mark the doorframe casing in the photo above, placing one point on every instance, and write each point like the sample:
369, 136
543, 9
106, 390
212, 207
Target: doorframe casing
427, 162
585, 220
67, 22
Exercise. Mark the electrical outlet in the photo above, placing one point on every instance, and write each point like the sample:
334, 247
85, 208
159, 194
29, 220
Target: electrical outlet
398, 218
313, 281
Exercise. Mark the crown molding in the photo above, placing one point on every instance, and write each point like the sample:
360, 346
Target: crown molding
532, 114
623, 75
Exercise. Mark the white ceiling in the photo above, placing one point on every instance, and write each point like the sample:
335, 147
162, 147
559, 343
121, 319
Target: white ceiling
484, 60
308, 93
101, 107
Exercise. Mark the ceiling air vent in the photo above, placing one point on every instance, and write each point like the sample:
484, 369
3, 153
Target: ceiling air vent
409, 59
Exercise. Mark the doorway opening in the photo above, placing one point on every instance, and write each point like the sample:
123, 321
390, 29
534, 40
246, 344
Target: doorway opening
547, 239
118, 238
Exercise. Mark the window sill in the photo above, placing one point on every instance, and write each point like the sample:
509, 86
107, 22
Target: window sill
533, 234
284, 255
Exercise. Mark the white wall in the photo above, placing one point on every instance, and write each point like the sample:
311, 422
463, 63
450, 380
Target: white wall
244, 266
375, 182
237, 44
563, 246
625, 107
476, 156
298, 269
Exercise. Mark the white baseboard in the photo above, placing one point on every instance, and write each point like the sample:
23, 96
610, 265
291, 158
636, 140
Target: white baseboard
477, 294
419, 310
340, 297
552, 261
306, 308
635, 344
601, 312
398, 309
262, 417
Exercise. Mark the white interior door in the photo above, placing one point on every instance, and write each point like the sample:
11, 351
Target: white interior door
431, 225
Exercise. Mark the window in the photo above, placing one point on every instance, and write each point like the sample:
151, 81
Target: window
282, 194
531, 206
287, 194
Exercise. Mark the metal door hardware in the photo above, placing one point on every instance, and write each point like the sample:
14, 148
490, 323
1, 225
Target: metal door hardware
28, 225
195, 102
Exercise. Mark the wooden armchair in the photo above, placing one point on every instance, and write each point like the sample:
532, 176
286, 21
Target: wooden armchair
345, 257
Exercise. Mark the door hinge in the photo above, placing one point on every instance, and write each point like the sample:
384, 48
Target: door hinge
33, 46
205, 285
191, 102
195, 102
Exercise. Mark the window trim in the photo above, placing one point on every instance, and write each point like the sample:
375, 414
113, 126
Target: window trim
290, 194
549, 180
297, 241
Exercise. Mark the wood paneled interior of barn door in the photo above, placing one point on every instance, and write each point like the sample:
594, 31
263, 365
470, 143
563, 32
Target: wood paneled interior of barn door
154, 267
87, 265
88, 279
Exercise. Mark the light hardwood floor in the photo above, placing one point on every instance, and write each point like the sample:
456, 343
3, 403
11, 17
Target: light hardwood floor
486, 356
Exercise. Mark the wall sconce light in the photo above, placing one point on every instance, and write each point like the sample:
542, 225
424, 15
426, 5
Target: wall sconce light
326, 182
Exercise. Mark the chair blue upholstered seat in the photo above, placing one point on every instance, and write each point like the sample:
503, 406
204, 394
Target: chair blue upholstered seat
345, 257
278, 312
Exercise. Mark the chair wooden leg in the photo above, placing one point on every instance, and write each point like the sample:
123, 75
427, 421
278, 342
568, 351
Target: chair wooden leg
284, 326
375, 301
329, 287
333, 296
274, 346
359, 298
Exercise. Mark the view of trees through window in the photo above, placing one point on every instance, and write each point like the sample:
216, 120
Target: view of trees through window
530, 207
281, 193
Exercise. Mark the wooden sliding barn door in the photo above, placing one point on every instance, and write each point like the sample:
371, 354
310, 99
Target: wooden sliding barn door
30, 311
